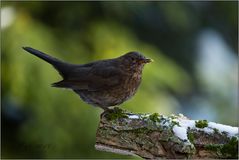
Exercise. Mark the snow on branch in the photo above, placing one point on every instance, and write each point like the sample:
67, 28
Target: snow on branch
157, 136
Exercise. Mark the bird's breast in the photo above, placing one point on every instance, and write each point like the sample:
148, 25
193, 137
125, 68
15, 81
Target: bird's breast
131, 84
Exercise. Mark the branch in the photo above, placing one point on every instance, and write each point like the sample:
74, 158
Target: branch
157, 136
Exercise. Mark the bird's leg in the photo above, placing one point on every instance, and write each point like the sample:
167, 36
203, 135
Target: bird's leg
107, 110
104, 108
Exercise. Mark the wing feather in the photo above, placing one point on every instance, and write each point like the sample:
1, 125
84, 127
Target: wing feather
92, 78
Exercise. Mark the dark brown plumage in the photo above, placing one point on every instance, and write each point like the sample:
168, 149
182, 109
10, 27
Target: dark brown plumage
101, 83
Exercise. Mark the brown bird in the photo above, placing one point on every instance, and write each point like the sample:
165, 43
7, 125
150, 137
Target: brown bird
102, 83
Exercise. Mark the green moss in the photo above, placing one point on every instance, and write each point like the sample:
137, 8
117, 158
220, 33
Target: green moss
172, 116
229, 150
175, 123
144, 117
115, 114
216, 130
154, 117
212, 147
201, 123
191, 137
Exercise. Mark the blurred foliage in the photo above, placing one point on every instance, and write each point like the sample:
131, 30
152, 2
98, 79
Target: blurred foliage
39, 121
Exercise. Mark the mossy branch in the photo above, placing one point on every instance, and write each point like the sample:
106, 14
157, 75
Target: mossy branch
157, 136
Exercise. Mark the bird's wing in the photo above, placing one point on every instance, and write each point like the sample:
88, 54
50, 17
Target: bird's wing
92, 78
105, 78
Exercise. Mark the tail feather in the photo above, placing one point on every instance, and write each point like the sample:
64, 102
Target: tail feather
42, 55
60, 84
62, 67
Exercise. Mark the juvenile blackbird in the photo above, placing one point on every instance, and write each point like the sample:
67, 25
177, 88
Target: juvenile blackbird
102, 83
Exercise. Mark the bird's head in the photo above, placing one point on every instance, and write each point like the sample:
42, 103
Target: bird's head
135, 59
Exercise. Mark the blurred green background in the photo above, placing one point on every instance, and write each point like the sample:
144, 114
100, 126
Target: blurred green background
193, 44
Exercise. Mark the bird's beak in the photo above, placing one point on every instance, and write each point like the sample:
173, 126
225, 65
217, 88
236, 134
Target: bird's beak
147, 60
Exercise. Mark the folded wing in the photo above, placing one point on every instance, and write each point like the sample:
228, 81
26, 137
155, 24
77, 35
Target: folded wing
92, 77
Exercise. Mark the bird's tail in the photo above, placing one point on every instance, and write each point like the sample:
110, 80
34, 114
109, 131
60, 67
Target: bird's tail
61, 67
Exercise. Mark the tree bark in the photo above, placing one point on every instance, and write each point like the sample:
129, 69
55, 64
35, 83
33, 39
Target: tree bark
157, 136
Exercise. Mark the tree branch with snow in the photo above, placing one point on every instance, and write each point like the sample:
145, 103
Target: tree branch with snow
158, 136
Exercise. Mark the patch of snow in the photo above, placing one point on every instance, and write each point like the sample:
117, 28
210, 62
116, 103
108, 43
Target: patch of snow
133, 116
206, 129
180, 132
224, 128
186, 123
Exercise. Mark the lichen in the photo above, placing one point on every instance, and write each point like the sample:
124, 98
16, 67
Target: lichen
183, 146
201, 123
228, 150
176, 140
154, 117
115, 114
142, 130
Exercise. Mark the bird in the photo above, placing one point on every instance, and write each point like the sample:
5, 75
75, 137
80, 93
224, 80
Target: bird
103, 83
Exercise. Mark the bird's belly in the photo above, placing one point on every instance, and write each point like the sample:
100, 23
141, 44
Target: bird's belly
110, 97
103, 99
